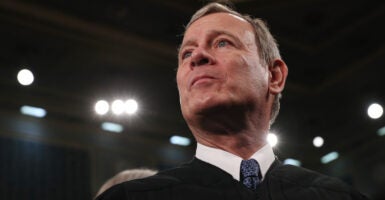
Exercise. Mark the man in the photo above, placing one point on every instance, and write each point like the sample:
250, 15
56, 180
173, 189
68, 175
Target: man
230, 77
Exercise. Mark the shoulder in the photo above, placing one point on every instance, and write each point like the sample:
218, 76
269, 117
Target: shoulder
301, 181
177, 180
305, 177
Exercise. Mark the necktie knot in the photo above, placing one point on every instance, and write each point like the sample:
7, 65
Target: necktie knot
250, 173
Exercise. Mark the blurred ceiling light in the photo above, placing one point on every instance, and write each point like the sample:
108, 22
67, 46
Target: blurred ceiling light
291, 161
375, 111
25, 77
112, 127
179, 140
102, 107
118, 107
329, 157
381, 131
131, 106
318, 141
33, 111
272, 139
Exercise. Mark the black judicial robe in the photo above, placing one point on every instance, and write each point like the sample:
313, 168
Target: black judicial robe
199, 180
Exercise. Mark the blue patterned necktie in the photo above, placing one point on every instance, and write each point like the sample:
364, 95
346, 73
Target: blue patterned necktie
250, 173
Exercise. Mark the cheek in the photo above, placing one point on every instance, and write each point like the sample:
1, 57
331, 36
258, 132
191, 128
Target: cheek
179, 78
242, 68
251, 74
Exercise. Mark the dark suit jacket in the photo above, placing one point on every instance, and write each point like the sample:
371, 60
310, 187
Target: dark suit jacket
199, 180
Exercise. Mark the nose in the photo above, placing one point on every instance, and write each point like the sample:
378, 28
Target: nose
201, 57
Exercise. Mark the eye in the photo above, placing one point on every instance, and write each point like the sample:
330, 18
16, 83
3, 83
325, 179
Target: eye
222, 43
186, 54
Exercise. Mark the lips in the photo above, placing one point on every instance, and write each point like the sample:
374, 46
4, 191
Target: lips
199, 78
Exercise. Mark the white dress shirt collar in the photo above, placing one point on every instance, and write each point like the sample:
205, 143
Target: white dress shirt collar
231, 163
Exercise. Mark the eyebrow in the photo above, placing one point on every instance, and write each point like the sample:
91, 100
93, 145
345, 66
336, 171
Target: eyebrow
216, 33
213, 33
190, 42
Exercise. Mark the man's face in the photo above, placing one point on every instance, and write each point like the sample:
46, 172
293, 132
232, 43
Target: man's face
219, 67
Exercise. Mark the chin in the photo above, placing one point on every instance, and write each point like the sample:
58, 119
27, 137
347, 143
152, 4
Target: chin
208, 102
212, 105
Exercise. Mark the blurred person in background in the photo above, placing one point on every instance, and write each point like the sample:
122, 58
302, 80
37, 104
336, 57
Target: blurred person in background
126, 175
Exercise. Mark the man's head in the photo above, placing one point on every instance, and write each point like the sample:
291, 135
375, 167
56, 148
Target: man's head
227, 59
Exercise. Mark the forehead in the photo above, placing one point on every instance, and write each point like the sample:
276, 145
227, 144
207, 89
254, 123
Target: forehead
218, 21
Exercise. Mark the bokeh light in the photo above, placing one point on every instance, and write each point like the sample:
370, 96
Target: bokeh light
318, 141
102, 107
131, 106
117, 107
25, 77
272, 139
375, 111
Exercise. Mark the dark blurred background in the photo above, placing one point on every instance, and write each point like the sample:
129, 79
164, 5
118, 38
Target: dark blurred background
84, 51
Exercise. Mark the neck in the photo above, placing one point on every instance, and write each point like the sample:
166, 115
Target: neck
241, 134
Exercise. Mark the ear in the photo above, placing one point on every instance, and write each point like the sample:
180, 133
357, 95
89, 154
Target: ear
278, 73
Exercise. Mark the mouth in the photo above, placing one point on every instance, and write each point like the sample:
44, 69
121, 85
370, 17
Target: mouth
199, 79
